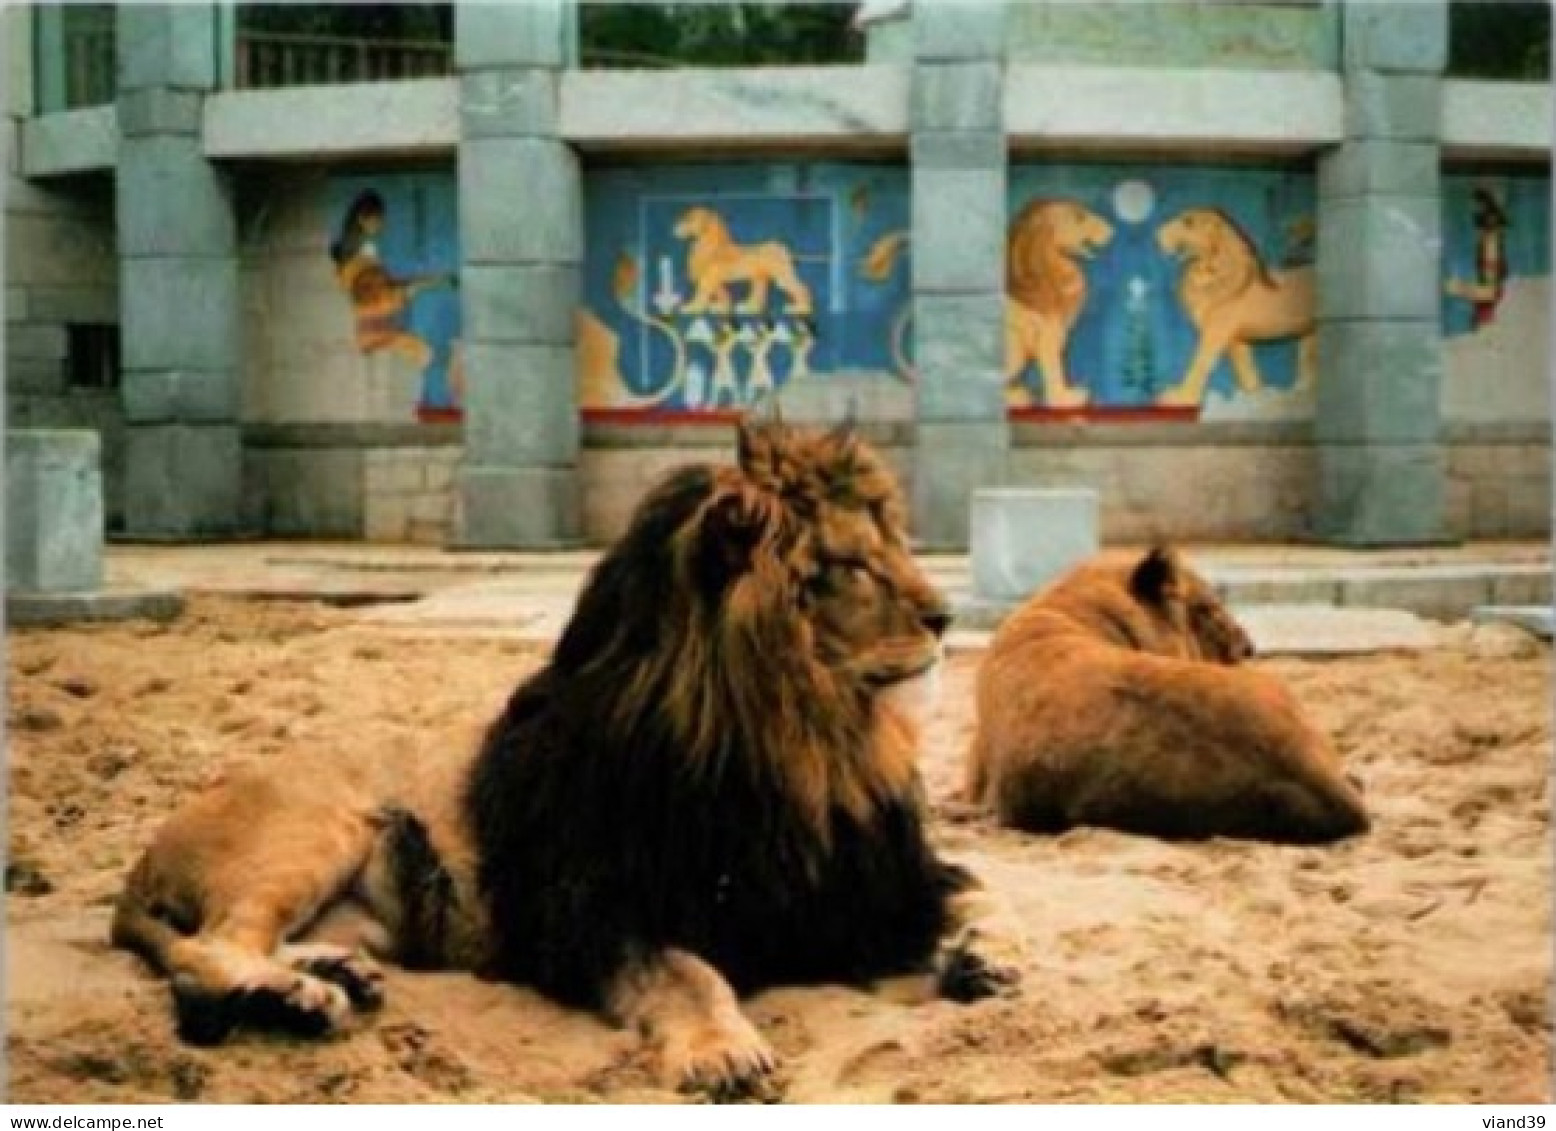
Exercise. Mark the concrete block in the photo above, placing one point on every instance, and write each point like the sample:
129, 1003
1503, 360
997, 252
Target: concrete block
310, 493
72, 141
53, 511
183, 481
518, 508
171, 200
959, 342
1521, 585
533, 303
489, 33
36, 343
159, 110
1444, 594
520, 408
167, 44
69, 304
953, 32
27, 377
971, 150
1363, 168
1381, 382
959, 219
957, 97
1389, 36
510, 102
47, 610
1534, 619
1380, 495
1397, 107
951, 463
180, 313
167, 396
1025, 537
1378, 258
520, 201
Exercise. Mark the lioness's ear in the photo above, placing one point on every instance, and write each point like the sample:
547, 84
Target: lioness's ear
732, 526
1155, 580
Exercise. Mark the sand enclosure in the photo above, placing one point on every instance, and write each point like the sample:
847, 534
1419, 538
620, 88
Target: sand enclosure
1411, 965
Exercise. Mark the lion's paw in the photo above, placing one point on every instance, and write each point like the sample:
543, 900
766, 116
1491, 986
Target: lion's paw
359, 976
981, 964
301, 1004
726, 1063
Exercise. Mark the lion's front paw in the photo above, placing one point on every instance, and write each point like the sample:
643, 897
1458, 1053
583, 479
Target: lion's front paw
359, 976
981, 963
727, 1063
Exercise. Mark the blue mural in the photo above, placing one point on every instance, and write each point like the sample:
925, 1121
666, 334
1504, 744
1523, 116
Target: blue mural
394, 243
1183, 288
1496, 229
708, 287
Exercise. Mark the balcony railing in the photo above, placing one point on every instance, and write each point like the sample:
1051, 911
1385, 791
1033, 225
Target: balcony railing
273, 59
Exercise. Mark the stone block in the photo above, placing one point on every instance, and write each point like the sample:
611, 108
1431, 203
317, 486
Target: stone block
32, 376
954, 32
1380, 495
1396, 107
1378, 258
183, 481
957, 98
490, 33
964, 151
53, 511
159, 110
1381, 382
167, 44
1025, 537
520, 201
533, 303
518, 508
959, 342
520, 408
36, 343
310, 493
510, 102
70, 304
959, 221
1390, 36
951, 462
179, 313
1363, 168
167, 396
171, 200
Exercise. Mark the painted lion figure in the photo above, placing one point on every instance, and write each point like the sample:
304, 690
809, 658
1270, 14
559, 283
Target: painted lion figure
709, 788
1118, 696
1234, 300
716, 261
1047, 290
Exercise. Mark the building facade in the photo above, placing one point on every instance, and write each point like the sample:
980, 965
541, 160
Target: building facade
1253, 270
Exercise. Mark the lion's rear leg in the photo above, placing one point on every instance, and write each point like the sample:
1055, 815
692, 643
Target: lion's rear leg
689, 1013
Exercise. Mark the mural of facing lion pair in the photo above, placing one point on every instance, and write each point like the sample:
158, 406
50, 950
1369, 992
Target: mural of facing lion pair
640, 835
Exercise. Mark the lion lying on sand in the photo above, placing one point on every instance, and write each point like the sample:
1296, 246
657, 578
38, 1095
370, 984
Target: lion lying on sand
1117, 697
710, 788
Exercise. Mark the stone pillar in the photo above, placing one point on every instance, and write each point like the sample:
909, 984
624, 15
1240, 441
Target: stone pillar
1381, 463
178, 282
959, 218
521, 237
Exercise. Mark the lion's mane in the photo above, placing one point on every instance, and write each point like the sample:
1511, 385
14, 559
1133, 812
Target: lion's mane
683, 772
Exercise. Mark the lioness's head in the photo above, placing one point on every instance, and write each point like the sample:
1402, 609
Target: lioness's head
695, 221
1191, 620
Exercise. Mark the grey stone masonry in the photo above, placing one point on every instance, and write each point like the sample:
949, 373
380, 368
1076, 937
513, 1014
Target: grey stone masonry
1381, 466
521, 237
53, 511
959, 168
178, 281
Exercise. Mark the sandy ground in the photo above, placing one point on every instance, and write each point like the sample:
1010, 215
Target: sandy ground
1410, 966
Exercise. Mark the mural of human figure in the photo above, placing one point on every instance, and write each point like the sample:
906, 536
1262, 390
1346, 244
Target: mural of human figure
1485, 292
380, 301
759, 342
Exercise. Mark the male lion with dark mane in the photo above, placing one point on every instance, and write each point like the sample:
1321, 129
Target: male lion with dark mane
1117, 697
710, 788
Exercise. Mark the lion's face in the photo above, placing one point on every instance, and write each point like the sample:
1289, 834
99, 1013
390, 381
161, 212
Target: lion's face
693, 222
1194, 616
1075, 231
1192, 234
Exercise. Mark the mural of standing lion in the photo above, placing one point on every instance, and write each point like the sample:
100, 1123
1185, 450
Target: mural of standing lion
709, 788
716, 260
1118, 697
1234, 300
1047, 290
